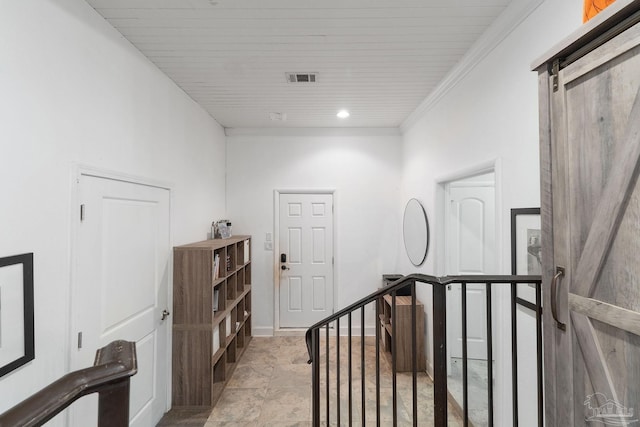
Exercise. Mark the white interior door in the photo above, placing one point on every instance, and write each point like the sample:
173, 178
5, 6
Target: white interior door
120, 291
306, 259
470, 249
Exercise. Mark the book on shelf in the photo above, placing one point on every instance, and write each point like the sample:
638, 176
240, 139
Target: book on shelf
246, 251
216, 294
216, 266
228, 324
216, 339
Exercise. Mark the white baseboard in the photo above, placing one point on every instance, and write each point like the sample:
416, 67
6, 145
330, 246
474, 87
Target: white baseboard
292, 332
264, 331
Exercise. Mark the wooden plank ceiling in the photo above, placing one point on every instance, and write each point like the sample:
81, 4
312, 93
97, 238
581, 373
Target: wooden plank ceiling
379, 59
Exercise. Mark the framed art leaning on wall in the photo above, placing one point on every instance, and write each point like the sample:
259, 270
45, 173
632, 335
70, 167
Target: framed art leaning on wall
525, 241
526, 248
16, 312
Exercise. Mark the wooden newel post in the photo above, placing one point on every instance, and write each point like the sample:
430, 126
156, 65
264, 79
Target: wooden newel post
113, 400
113, 405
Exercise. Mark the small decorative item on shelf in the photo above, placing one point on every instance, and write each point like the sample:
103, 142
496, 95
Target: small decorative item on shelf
228, 263
221, 229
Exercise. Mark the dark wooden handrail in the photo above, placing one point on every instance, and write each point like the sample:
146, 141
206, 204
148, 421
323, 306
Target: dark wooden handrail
406, 280
110, 376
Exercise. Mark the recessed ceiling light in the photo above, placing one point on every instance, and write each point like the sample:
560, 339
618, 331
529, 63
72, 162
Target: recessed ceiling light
343, 114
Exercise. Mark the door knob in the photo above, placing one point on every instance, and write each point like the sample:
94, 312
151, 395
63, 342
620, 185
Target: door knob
284, 267
165, 314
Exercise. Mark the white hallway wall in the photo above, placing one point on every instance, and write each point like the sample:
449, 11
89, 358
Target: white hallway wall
74, 91
492, 113
364, 169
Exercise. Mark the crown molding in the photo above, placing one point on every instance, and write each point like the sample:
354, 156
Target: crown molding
505, 23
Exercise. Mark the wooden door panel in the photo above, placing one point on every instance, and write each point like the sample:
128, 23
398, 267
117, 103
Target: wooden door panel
596, 142
602, 170
619, 268
130, 290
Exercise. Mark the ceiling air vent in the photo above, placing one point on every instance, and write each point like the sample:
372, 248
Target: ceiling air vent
302, 77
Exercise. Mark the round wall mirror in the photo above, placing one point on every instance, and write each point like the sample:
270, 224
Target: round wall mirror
415, 229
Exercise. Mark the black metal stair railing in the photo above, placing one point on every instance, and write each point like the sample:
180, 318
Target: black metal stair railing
323, 342
110, 376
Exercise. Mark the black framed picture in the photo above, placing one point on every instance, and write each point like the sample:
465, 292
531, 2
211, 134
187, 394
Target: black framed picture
526, 249
525, 242
16, 312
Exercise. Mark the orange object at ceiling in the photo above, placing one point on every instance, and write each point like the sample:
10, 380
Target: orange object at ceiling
593, 7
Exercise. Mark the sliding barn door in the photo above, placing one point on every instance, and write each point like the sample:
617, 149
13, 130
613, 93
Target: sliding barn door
594, 346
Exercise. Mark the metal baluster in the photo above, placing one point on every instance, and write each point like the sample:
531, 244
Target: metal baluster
362, 365
414, 353
489, 355
350, 376
338, 370
327, 369
315, 377
379, 326
539, 353
394, 354
514, 356
465, 385
439, 355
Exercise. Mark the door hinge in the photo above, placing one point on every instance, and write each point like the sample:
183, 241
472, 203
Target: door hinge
82, 212
555, 69
79, 340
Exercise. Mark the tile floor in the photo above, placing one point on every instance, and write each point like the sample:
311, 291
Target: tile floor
271, 387
477, 377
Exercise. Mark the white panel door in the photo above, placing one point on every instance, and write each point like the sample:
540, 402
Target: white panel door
470, 249
120, 291
306, 259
